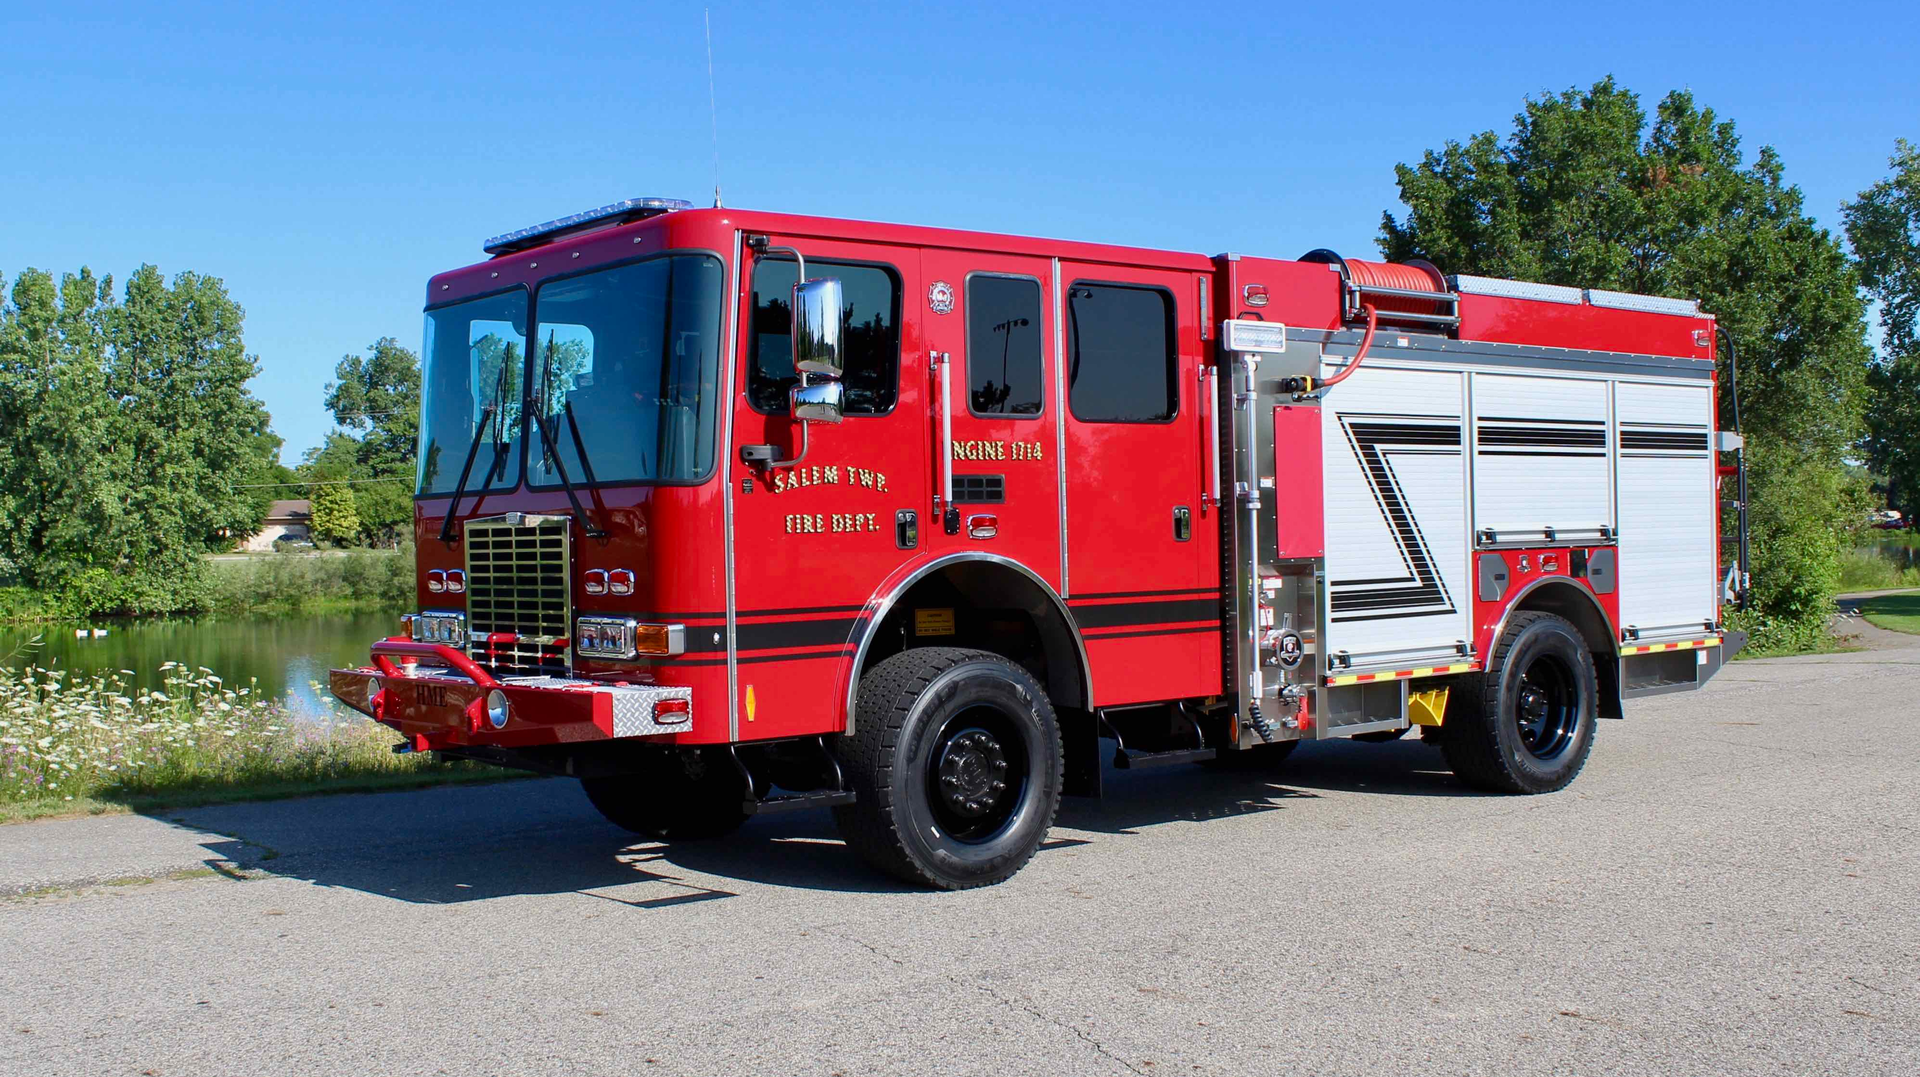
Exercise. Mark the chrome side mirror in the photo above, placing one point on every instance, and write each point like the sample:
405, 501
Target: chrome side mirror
817, 402
816, 328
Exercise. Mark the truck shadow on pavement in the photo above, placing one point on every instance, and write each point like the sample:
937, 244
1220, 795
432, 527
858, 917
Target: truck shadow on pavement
479, 842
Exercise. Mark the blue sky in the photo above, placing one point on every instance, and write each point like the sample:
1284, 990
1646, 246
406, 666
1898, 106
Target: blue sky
326, 159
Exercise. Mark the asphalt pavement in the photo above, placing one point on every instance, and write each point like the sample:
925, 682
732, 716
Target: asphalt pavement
1732, 887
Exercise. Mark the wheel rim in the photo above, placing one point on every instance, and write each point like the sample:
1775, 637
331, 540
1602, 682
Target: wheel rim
977, 775
1547, 708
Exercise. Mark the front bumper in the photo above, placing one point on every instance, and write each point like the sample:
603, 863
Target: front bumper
444, 705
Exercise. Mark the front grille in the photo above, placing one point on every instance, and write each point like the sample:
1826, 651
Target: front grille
517, 573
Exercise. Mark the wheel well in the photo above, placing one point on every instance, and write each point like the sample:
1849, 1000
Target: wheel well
1571, 603
994, 608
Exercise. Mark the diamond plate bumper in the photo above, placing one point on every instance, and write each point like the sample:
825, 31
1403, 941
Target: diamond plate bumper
441, 708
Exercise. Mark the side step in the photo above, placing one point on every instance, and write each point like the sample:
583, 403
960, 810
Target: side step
826, 798
821, 798
1125, 760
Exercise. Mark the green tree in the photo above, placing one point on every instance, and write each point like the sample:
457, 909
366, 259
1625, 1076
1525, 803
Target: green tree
376, 398
127, 436
63, 472
334, 516
1883, 225
1585, 192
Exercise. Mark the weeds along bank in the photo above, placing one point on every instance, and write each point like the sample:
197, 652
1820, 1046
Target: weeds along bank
268, 584
70, 742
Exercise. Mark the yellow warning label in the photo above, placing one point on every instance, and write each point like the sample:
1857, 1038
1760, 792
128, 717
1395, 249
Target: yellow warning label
933, 622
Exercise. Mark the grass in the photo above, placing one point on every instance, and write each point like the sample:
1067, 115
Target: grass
1900, 613
87, 745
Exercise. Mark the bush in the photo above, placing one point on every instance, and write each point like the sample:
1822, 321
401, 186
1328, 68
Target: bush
301, 583
1868, 569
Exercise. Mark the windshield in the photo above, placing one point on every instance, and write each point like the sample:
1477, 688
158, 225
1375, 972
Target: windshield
624, 368
470, 384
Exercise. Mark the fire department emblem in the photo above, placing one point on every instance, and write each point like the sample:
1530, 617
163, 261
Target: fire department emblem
1291, 649
940, 297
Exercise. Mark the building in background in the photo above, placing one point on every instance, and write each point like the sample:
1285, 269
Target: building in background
289, 520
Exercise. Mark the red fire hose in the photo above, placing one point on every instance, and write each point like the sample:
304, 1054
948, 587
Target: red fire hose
1366, 341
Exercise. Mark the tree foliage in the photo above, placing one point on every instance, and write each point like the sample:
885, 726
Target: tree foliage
1586, 192
375, 399
127, 435
334, 514
1883, 225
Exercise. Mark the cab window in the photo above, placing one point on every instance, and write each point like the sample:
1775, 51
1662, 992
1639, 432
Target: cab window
1003, 346
1122, 362
869, 332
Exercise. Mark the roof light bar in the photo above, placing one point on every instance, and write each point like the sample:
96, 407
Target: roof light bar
628, 209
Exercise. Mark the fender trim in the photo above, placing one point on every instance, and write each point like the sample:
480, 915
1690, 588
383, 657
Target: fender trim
882, 603
1519, 597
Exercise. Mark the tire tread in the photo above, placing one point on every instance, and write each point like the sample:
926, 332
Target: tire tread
888, 692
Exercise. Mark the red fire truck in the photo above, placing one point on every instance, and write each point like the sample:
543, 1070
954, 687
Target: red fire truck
726, 512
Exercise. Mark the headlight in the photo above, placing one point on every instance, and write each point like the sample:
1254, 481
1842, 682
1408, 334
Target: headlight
440, 626
497, 709
624, 637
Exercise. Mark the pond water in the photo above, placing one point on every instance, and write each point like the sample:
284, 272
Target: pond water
1900, 553
283, 655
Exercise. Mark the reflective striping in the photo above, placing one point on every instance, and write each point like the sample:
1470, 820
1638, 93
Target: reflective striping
1345, 679
1677, 645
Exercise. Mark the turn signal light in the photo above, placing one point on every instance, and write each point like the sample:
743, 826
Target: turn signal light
658, 639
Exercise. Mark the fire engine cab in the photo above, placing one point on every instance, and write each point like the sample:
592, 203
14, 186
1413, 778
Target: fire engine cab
725, 512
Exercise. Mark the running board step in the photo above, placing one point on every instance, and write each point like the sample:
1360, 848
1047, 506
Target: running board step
1125, 760
825, 798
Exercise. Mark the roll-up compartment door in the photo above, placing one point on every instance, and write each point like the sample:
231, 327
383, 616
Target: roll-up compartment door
1668, 519
1541, 466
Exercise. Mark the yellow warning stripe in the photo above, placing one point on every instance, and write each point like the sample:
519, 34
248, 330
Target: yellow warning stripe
1345, 679
1677, 645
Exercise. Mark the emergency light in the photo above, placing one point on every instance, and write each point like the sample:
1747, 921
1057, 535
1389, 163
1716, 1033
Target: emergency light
627, 209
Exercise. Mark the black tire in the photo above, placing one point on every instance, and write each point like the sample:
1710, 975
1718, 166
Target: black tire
934, 730
1526, 724
676, 796
1257, 757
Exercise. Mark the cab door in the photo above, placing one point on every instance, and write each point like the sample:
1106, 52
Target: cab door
990, 319
1143, 550
814, 538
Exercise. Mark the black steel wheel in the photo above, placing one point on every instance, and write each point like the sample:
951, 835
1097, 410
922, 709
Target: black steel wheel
1525, 724
674, 796
956, 759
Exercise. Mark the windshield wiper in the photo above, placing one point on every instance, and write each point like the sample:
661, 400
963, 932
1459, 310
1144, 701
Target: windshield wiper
550, 447
473, 449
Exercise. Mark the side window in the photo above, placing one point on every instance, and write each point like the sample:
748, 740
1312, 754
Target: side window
1003, 346
870, 334
1122, 364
